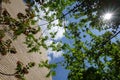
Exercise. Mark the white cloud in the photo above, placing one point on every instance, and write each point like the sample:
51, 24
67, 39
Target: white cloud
58, 29
54, 53
49, 58
50, 51
48, 42
46, 32
60, 32
58, 36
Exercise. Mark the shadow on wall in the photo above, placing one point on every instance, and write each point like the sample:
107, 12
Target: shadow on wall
5, 1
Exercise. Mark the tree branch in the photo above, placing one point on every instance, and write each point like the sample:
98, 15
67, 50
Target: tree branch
110, 38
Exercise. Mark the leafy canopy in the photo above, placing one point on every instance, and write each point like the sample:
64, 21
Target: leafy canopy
89, 56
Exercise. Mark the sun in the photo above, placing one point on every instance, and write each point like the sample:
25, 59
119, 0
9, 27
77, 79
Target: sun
107, 16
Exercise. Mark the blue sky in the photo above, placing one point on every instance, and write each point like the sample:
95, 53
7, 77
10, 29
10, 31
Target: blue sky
61, 73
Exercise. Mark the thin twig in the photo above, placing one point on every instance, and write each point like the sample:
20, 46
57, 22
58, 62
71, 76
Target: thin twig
63, 14
7, 74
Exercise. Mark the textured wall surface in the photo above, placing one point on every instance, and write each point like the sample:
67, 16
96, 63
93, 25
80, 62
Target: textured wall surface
8, 62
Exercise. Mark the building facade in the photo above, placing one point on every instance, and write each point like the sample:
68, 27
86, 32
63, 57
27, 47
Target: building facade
8, 62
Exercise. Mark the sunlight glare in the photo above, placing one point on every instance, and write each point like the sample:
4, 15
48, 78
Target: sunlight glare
107, 16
